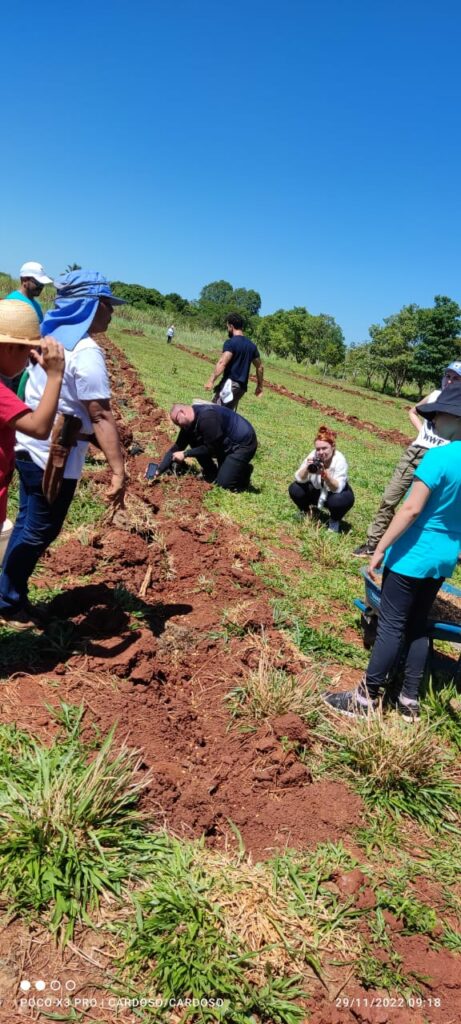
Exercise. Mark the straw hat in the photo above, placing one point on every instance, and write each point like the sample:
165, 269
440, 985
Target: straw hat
19, 323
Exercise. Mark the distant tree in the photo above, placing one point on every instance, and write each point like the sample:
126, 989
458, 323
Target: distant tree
138, 295
360, 363
439, 341
326, 341
72, 266
297, 333
218, 293
247, 300
394, 344
176, 303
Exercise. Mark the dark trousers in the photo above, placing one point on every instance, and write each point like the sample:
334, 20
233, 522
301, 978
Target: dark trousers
402, 628
36, 526
232, 471
305, 496
237, 393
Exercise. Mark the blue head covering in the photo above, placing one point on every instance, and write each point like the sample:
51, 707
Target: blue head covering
77, 297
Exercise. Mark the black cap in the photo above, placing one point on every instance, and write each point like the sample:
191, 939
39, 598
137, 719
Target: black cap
449, 401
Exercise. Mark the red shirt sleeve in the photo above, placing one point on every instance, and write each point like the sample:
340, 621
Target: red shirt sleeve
10, 405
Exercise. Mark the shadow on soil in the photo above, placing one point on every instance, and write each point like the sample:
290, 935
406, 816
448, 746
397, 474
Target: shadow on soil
78, 619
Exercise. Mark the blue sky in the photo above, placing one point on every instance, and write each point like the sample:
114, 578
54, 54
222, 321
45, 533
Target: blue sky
310, 150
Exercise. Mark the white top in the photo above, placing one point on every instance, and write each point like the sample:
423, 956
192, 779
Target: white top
338, 469
427, 437
85, 378
170, 331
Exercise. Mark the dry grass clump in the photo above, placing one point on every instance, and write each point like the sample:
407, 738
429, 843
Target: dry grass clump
136, 517
269, 691
405, 768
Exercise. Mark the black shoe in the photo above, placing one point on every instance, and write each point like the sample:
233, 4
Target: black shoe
409, 712
364, 551
19, 620
347, 703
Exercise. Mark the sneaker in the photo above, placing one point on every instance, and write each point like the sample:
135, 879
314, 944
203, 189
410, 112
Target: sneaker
408, 711
348, 703
333, 525
364, 551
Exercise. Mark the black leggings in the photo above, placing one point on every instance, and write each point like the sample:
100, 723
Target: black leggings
402, 626
233, 471
305, 495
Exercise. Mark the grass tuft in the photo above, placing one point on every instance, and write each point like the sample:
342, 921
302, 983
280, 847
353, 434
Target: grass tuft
69, 827
270, 691
403, 770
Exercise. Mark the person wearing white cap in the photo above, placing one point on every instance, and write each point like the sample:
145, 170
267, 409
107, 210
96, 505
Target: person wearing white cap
404, 471
33, 281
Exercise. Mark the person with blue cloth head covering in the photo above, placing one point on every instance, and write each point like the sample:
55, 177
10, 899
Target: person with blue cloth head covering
77, 297
84, 305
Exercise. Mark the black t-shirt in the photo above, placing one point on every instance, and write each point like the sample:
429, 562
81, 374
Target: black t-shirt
244, 352
216, 431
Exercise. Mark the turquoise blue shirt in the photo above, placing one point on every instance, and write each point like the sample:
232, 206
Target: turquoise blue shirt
430, 547
33, 302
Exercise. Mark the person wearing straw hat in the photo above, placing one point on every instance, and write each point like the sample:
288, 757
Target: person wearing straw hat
19, 336
33, 281
419, 550
83, 308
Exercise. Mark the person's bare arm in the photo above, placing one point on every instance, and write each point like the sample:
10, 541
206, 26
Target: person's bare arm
415, 419
107, 436
38, 423
259, 376
223, 361
404, 517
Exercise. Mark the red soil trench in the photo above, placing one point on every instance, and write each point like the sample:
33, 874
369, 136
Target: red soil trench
395, 436
165, 683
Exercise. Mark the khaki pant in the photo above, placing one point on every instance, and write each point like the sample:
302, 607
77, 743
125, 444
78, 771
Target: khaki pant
395, 491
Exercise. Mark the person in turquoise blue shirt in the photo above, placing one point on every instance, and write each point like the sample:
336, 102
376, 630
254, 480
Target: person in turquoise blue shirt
419, 550
33, 281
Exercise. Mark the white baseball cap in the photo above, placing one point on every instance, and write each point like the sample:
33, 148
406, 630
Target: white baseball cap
36, 271
456, 367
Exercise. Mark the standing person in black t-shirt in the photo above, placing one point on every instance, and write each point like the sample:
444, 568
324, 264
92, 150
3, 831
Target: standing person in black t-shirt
222, 442
238, 353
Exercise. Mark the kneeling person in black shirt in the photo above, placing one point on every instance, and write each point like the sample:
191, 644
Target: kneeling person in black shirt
222, 442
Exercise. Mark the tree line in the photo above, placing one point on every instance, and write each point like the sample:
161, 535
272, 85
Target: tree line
411, 347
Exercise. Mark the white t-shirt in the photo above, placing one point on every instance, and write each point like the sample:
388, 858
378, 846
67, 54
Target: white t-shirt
427, 437
85, 378
338, 469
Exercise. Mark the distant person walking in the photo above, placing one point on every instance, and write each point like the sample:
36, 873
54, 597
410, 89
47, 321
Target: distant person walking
238, 353
404, 471
33, 281
170, 334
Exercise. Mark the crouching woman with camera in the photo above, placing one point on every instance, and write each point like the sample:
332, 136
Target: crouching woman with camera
321, 480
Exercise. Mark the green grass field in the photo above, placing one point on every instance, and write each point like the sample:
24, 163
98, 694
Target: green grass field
326, 577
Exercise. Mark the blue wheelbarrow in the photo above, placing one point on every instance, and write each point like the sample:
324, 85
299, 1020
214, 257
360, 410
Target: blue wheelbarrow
447, 631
